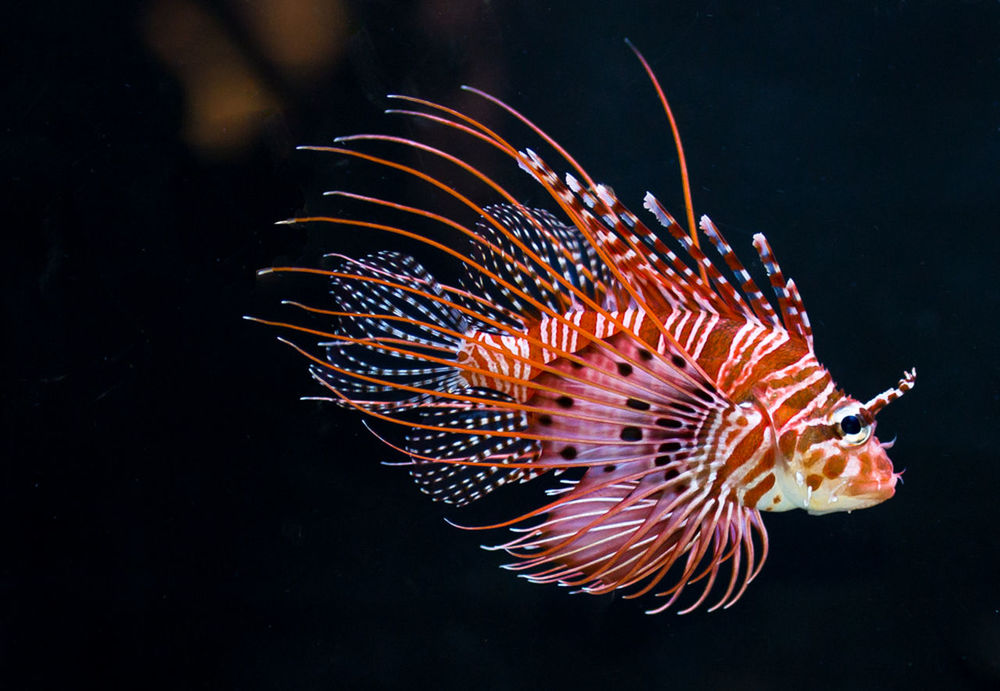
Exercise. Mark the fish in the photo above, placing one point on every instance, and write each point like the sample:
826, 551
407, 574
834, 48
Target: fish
644, 378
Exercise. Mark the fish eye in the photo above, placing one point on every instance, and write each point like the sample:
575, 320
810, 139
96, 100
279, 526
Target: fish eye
853, 429
850, 424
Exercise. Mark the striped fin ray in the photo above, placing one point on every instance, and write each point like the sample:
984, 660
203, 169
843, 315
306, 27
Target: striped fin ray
623, 294
524, 159
474, 128
638, 409
554, 277
793, 314
656, 502
641, 258
665, 281
680, 287
729, 299
584, 222
759, 305
619, 261
625, 533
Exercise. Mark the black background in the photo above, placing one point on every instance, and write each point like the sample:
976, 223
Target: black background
173, 517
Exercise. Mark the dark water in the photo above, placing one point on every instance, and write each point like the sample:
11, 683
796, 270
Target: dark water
174, 518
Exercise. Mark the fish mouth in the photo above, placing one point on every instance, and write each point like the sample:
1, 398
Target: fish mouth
871, 492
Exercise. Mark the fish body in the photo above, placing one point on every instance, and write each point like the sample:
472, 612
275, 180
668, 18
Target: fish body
673, 400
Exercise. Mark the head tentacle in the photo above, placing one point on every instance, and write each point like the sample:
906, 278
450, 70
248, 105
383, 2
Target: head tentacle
889, 395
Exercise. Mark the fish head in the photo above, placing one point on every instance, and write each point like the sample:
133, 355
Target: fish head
835, 462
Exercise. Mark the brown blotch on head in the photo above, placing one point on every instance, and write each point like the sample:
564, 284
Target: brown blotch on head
813, 436
813, 481
787, 443
813, 458
883, 465
835, 466
759, 490
777, 499
866, 463
796, 403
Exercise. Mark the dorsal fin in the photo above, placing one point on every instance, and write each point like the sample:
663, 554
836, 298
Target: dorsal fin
560, 246
793, 313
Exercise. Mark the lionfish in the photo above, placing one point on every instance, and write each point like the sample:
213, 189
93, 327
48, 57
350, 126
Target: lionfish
675, 400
